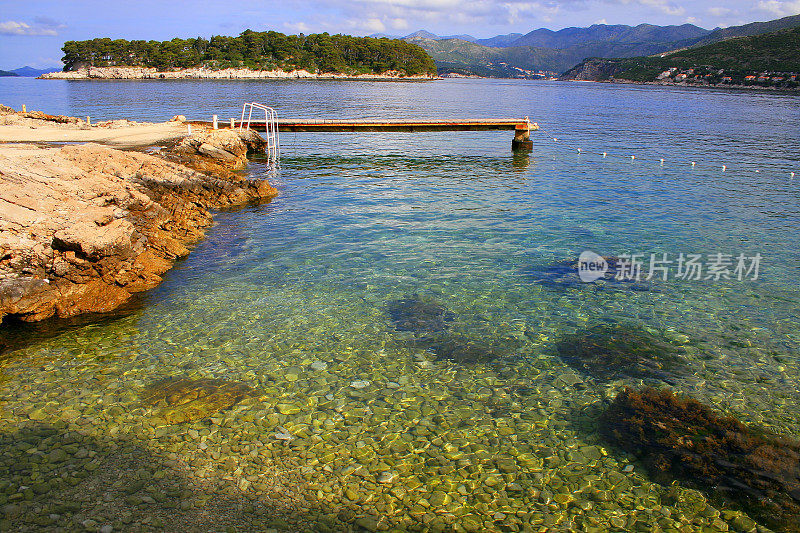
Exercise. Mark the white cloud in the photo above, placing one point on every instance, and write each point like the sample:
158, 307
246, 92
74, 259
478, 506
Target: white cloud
779, 8
665, 7
373, 24
399, 23
601, 21
719, 11
13, 27
298, 27
693, 20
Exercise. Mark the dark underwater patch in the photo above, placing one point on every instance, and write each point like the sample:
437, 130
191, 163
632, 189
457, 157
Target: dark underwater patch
564, 274
680, 438
419, 314
613, 351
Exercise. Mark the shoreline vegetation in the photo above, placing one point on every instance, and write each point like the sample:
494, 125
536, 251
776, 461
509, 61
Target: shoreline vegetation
83, 227
251, 54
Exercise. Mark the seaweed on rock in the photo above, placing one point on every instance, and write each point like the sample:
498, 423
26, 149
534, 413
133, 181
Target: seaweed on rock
608, 352
682, 438
419, 314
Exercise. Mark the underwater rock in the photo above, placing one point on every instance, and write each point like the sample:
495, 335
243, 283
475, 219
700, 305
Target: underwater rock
682, 438
608, 352
463, 350
419, 314
564, 274
183, 400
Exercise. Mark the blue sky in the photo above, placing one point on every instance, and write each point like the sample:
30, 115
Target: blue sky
32, 32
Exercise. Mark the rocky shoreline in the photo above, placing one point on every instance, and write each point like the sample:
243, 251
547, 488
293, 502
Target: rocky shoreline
83, 227
141, 73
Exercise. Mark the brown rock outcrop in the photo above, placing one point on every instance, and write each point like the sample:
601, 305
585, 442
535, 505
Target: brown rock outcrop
84, 227
217, 151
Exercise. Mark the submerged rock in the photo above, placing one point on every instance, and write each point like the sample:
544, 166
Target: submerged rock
462, 349
609, 352
682, 438
419, 314
183, 400
564, 274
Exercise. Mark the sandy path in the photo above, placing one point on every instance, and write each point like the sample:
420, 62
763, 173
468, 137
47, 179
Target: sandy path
124, 137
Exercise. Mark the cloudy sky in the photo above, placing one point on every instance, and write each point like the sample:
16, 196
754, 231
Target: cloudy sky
32, 32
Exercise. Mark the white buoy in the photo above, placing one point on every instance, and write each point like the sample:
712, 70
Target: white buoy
604, 155
693, 163
555, 139
723, 168
579, 150
662, 162
633, 157
792, 174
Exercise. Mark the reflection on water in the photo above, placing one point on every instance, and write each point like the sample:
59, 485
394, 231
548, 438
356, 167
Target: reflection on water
405, 365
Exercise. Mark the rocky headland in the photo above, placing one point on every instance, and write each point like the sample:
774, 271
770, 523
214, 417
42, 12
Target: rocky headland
83, 227
142, 73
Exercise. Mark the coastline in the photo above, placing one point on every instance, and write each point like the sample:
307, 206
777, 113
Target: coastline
83, 227
141, 73
688, 85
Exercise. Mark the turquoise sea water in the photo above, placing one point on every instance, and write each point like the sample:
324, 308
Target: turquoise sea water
365, 221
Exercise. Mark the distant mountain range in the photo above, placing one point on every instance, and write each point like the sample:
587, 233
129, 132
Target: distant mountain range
516, 55
28, 72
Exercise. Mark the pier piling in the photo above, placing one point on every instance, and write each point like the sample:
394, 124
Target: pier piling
522, 138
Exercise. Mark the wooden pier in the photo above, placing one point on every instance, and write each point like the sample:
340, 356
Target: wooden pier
521, 127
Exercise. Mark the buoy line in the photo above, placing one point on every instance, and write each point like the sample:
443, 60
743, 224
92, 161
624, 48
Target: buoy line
661, 161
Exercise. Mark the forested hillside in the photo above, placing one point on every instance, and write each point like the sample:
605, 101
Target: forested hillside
256, 50
771, 59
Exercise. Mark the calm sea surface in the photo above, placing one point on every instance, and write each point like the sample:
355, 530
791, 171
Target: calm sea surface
412, 299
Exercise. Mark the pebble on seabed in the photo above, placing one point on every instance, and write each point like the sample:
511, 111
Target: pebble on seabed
369, 437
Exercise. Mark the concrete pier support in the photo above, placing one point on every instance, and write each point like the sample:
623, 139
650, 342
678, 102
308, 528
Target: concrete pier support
522, 138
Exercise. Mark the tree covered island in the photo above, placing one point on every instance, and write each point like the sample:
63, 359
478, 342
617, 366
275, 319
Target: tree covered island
270, 50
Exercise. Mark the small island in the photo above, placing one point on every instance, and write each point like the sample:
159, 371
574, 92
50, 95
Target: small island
252, 54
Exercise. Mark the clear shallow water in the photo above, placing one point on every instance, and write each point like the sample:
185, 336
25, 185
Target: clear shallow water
365, 220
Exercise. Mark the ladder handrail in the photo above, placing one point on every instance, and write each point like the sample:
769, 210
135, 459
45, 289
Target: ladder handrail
271, 126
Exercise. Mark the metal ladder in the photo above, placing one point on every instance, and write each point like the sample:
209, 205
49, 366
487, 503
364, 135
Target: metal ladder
273, 150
